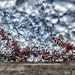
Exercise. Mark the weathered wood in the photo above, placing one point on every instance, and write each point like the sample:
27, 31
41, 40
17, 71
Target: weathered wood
8, 68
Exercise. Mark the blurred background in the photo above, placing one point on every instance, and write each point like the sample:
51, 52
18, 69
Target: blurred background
25, 19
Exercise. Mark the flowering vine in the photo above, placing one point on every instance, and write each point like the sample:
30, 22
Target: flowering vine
15, 53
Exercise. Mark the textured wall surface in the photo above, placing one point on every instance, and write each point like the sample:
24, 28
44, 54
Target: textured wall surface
37, 68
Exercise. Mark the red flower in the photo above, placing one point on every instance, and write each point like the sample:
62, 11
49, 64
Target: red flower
43, 50
69, 47
38, 51
35, 55
8, 34
4, 38
14, 43
2, 32
7, 44
48, 51
73, 48
63, 52
19, 49
64, 58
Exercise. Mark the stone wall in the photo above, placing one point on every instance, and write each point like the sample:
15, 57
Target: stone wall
67, 68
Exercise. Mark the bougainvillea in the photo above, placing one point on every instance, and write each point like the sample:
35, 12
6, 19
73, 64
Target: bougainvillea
30, 53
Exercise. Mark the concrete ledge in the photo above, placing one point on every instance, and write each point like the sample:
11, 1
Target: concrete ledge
67, 68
